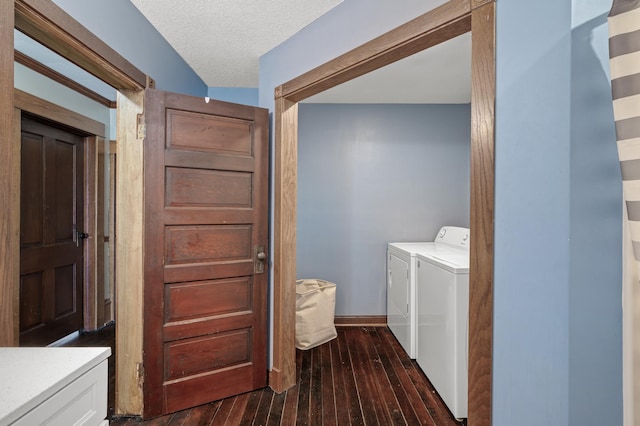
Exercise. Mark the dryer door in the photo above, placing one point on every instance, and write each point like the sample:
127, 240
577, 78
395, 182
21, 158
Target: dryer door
398, 285
398, 317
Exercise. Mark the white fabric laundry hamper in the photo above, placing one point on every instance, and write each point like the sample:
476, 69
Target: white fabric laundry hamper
315, 309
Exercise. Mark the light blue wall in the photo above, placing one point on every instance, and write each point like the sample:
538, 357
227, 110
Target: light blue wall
38, 85
238, 95
532, 214
122, 26
24, 44
595, 319
369, 175
345, 27
557, 308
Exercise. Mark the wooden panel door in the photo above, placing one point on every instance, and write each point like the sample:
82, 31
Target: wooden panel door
51, 260
206, 236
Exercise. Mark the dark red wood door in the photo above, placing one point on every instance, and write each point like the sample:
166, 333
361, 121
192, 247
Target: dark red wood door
206, 236
51, 260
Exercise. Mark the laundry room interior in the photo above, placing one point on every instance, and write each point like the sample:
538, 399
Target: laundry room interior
374, 173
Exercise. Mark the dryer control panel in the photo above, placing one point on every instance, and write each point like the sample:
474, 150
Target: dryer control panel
454, 236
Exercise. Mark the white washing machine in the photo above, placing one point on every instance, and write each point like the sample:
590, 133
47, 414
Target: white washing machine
442, 291
401, 278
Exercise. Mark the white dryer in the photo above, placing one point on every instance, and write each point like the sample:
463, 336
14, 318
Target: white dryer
442, 291
401, 279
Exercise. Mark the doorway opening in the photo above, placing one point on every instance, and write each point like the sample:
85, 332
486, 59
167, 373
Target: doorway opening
441, 24
61, 238
52, 232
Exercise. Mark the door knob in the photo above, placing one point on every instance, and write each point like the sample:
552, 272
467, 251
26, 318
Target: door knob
80, 236
259, 256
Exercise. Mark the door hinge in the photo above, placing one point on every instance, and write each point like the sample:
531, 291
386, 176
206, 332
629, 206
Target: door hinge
140, 374
141, 128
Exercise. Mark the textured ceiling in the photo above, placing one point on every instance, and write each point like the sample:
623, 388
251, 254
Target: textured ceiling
222, 40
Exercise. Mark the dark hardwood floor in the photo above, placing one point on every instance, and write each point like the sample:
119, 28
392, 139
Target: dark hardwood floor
363, 377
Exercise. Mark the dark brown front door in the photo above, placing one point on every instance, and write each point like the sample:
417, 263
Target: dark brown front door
51, 261
206, 239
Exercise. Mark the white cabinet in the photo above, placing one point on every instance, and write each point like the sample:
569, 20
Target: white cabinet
53, 386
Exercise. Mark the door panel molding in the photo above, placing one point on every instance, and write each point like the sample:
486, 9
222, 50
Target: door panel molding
205, 322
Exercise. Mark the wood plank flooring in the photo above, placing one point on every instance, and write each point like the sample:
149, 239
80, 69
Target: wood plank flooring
363, 377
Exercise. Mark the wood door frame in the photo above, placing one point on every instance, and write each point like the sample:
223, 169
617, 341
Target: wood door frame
438, 25
48, 24
28, 103
9, 186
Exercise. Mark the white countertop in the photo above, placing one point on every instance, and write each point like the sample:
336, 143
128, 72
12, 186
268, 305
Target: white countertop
28, 376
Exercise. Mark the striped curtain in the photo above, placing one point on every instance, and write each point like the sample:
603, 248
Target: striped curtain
624, 54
